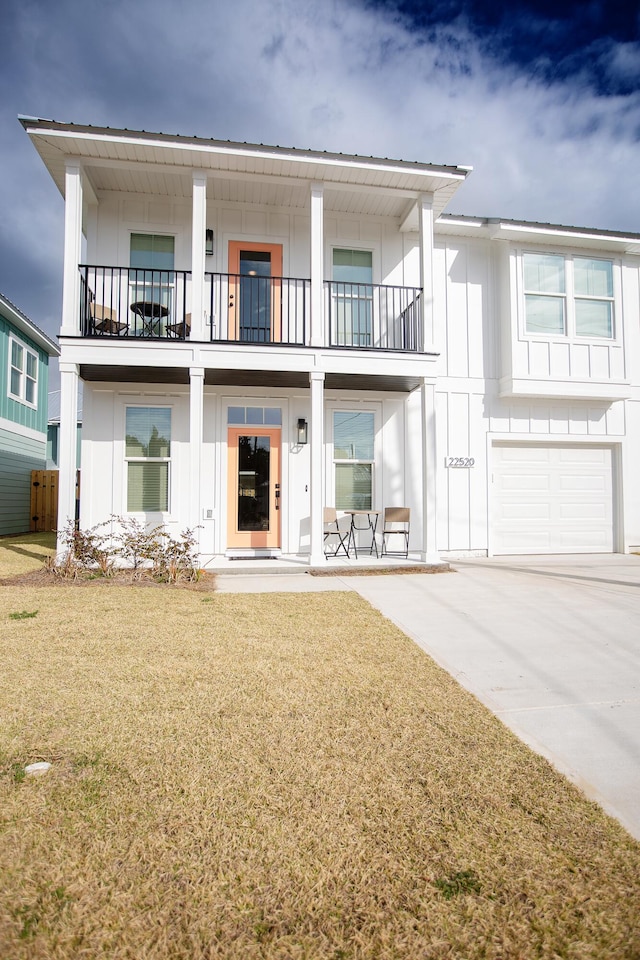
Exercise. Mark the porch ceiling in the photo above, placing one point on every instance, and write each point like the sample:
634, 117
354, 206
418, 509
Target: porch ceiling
161, 165
247, 378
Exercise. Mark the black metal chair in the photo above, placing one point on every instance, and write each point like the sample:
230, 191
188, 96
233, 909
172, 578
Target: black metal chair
332, 531
396, 523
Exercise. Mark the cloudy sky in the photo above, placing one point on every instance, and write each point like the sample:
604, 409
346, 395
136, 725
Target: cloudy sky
541, 97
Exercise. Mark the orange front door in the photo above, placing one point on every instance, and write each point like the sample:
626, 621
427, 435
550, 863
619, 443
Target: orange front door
253, 487
255, 291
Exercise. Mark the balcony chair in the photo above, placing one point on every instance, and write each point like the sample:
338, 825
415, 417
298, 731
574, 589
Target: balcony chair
395, 524
181, 330
104, 319
333, 531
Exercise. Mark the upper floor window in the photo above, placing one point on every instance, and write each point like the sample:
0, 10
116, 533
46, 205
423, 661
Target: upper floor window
150, 251
568, 296
23, 373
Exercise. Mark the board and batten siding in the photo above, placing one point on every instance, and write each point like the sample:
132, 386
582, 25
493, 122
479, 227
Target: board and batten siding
18, 457
13, 410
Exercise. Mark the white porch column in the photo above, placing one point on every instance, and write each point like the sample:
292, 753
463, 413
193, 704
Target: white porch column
425, 221
72, 250
429, 552
196, 419
198, 228
69, 380
316, 383
317, 264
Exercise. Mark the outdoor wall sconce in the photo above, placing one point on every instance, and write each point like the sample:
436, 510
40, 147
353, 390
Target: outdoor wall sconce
208, 243
302, 430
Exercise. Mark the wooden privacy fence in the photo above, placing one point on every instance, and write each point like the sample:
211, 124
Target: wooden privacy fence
44, 500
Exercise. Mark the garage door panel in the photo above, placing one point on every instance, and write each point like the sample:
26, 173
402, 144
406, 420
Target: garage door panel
528, 481
552, 499
583, 511
583, 484
528, 511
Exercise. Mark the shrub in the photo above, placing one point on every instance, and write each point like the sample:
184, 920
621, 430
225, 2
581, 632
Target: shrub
145, 552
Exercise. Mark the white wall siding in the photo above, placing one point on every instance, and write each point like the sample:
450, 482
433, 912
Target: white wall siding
464, 310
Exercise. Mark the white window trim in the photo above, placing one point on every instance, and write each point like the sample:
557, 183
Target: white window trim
569, 297
21, 397
127, 460
345, 407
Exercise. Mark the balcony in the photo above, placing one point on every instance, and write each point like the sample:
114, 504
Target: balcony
128, 303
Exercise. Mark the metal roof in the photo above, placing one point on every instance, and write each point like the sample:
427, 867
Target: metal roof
536, 231
138, 161
27, 326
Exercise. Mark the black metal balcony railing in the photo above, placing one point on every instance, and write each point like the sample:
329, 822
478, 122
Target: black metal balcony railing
254, 309
373, 315
119, 302
132, 302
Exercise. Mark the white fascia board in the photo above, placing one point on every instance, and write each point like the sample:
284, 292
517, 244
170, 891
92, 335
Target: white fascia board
631, 244
349, 162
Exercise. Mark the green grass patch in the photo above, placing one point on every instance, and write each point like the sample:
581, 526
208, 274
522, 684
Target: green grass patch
23, 615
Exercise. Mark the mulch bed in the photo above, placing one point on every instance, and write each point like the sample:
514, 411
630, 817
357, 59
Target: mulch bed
122, 578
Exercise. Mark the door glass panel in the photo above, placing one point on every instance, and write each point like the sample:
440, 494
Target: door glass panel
255, 296
353, 297
253, 482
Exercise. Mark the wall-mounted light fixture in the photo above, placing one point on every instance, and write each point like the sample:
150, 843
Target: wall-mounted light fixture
302, 430
208, 243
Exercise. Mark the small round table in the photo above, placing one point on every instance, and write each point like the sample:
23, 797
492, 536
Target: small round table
372, 523
152, 314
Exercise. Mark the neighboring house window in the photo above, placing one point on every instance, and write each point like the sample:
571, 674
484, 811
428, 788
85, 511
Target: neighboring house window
352, 296
23, 373
148, 452
353, 442
568, 296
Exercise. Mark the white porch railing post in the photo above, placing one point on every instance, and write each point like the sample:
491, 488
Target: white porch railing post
196, 419
316, 383
317, 265
72, 250
198, 240
429, 553
69, 380
425, 221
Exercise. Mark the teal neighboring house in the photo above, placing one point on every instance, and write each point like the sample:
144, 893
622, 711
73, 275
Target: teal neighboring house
24, 379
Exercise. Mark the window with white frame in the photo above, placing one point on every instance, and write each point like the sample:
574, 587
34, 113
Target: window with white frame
23, 373
353, 457
352, 298
148, 456
151, 259
568, 296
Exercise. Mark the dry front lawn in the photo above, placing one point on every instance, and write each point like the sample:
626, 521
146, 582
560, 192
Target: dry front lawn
278, 776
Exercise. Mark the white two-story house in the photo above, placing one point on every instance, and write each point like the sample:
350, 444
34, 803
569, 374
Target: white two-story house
262, 332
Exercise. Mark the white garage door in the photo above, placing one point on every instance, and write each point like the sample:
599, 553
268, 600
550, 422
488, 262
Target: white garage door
552, 499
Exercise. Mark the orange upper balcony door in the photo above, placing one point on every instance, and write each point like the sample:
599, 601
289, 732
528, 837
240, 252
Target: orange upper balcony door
255, 294
253, 486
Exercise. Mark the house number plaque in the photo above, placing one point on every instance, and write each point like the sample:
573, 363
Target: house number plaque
464, 462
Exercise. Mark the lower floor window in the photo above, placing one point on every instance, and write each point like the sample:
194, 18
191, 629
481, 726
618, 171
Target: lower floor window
148, 452
353, 443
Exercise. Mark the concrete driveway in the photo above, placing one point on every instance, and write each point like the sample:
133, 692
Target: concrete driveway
551, 645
